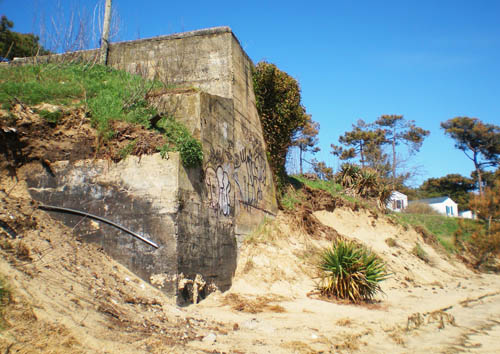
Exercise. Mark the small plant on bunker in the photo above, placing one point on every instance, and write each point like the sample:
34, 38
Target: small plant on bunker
127, 150
350, 271
179, 139
51, 117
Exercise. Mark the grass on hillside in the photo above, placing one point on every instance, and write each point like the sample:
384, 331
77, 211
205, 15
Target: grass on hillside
441, 226
293, 195
329, 186
107, 94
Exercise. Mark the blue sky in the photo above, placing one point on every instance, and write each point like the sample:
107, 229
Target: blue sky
427, 60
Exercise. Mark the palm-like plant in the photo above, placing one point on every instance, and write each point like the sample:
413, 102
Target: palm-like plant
348, 175
350, 271
384, 195
367, 182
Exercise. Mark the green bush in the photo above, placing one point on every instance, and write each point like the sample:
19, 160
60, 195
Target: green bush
351, 271
281, 113
420, 208
179, 139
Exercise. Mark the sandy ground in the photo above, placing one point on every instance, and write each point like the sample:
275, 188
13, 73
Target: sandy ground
69, 297
440, 307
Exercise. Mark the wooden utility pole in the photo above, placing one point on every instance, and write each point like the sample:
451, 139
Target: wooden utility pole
105, 33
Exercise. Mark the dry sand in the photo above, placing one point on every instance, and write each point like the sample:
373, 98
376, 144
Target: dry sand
69, 297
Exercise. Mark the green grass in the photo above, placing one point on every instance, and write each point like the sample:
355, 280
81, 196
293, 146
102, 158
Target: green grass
107, 94
442, 227
291, 198
293, 195
333, 188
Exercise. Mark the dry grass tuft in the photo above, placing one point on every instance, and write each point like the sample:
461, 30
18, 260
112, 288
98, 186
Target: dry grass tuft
344, 322
298, 347
266, 303
391, 242
419, 252
428, 237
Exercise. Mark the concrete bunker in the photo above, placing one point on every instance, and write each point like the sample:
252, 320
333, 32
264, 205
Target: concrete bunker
197, 216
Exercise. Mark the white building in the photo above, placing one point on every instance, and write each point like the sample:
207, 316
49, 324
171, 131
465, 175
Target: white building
443, 205
397, 202
467, 214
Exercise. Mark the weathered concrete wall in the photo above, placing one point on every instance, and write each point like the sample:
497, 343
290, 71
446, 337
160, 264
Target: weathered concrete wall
140, 195
213, 207
232, 133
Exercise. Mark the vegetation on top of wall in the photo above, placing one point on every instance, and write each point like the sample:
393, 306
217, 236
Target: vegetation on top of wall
15, 44
105, 93
179, 139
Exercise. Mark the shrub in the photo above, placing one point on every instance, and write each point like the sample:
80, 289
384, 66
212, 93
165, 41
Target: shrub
347, 175
179, 139
420, 208
364, 182
281, 114
350, 271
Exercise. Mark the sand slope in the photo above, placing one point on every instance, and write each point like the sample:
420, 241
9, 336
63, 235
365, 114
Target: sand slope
69, 297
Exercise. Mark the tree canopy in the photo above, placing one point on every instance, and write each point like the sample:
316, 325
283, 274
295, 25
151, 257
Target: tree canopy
281, 113
367, 141
14, 44
480, 142
361, 141
398, 130
456, 186
306, 139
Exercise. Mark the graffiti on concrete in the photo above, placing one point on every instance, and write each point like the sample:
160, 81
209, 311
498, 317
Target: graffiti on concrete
250, 175
240, 176
219, 189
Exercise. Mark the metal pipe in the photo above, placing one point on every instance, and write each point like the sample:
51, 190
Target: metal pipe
82, 213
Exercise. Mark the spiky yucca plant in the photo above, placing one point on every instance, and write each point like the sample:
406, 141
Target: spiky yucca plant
367, 182
350, 271
348, 175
